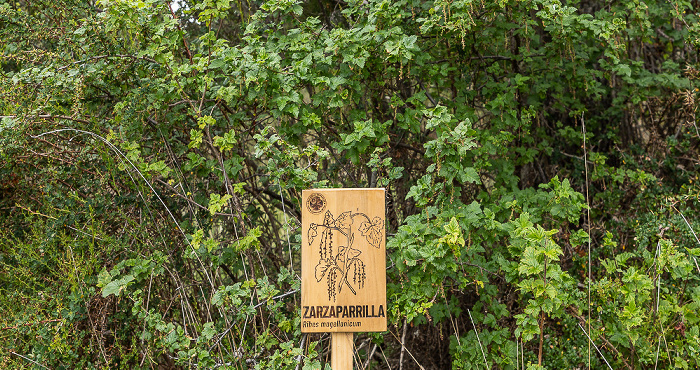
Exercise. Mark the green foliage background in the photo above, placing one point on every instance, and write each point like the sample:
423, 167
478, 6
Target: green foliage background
540, 160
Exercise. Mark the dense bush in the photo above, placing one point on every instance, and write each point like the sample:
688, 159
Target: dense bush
540, 160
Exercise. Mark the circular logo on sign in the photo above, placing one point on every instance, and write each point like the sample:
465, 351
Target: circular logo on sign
316, 203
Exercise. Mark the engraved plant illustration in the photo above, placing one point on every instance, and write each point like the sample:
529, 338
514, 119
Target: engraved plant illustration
341, 266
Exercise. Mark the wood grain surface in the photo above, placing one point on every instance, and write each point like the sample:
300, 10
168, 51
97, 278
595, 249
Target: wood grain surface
343, 282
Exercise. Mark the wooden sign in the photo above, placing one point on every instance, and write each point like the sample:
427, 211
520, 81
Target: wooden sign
343, 261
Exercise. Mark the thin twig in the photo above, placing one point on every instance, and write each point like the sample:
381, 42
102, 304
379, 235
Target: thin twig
692, 231
30, 324
286, 223
407, 351
303, 340
588, 219
277, 297
576, 157
403, 343
596, 347
369, 358
49, 116
190, 200
658, 296
656, 362
385, 359
28, 359
516, 354
658, 276
607, 342
477, 339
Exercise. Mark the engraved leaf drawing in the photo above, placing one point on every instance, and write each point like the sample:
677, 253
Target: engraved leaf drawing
322, 268
344, 221
312, 233
373, 231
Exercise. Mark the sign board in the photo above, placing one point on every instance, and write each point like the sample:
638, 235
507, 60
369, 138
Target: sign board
343, 261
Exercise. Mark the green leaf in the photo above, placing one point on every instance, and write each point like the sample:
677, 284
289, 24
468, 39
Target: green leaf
195, 138
217, 202
116, 286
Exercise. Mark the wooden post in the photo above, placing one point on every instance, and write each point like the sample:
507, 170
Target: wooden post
341, 351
